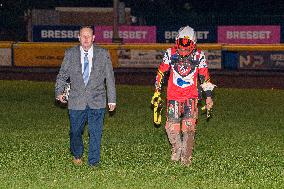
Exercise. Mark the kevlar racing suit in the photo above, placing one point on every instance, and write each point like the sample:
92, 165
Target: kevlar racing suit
182, 98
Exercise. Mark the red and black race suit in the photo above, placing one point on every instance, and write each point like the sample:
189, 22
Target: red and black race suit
184, 72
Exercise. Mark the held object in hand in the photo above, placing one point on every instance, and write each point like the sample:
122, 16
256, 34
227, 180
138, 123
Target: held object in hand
207, 86
157, 108
208, 112
66, 92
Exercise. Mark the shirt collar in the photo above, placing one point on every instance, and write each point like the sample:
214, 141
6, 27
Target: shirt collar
90, 51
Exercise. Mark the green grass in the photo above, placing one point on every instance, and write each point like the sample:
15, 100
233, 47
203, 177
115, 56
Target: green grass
242, 146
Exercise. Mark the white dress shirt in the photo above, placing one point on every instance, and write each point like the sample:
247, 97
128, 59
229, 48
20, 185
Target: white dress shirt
90, 57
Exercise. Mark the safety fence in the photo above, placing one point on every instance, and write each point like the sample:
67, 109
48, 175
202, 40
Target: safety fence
220, 56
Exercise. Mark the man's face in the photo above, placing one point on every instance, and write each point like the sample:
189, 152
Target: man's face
86, 38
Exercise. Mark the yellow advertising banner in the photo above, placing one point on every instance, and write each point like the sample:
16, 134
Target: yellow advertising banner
48, 54
51, 54
6, 44
40, 54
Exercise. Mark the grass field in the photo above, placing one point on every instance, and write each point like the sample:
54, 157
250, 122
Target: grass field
242, 146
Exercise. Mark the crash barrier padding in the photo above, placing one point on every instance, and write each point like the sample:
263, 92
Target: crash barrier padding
50, 54
259, 47
6, 44
47, 54
230, 60
151, 55
39, 54
6, 53
256, 57
164, 46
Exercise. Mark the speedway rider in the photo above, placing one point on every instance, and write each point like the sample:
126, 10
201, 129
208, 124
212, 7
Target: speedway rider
186, 65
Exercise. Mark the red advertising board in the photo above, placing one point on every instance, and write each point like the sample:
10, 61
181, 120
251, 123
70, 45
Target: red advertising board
130, 34
249, 34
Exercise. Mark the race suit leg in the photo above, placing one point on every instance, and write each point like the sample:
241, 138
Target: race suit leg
173, 129
188, 130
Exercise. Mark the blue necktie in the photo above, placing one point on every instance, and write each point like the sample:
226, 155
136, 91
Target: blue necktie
86, 69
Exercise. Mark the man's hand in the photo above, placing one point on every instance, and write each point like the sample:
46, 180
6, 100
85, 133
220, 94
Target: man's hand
61, 98
111, 106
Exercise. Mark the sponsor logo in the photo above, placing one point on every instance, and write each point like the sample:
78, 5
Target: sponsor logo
248, 34
199, 34
59, 34
126, 34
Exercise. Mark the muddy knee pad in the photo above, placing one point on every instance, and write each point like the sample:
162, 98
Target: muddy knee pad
188, 125
172, 129
172, 126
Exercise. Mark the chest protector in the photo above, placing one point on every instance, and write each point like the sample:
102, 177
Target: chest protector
183, 65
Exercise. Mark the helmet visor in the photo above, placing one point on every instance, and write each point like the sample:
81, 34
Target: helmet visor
184, 42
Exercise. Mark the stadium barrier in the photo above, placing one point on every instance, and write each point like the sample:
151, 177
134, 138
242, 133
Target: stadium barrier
253, 57
220, 56
39, 54
6, 53
50, 54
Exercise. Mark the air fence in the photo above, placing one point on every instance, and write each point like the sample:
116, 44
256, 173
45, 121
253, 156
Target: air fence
139, 56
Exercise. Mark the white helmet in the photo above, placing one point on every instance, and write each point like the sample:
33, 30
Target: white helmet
186, 38
187, 32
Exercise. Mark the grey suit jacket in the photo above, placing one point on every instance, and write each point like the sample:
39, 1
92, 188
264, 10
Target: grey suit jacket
100, 87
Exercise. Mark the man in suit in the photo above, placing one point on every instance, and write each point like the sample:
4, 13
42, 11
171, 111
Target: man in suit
89, 69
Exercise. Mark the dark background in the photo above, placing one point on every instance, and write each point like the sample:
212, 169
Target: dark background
154, 12
159, 13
